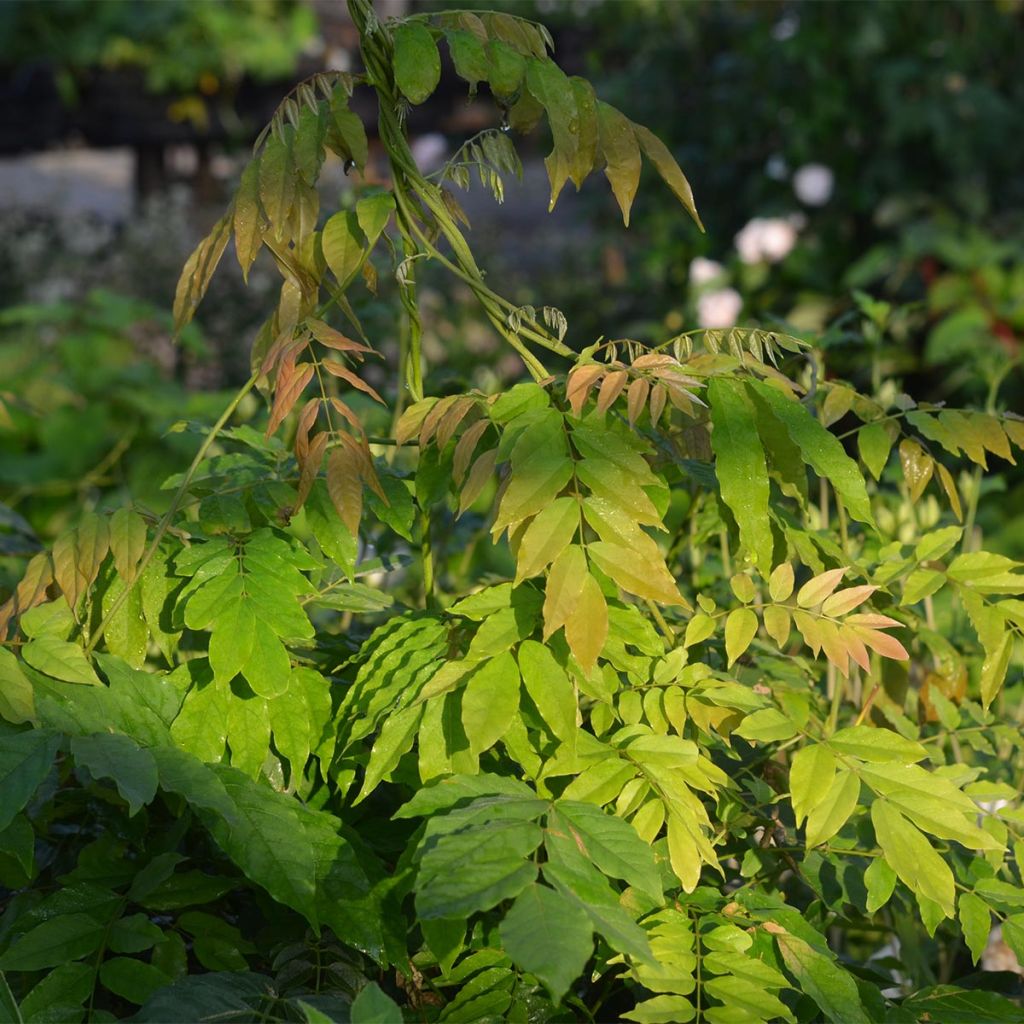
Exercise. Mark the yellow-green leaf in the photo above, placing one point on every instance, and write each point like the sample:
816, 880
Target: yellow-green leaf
780, 583
811, 773
547, 536
565, 583
740, 629
834, 810
587, 625
912, 857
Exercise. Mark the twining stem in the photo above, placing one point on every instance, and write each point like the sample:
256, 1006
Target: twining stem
172, 510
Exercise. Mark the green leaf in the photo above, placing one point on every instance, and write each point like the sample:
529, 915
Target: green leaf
277, 183
552, 89
468, 57
820, 977
912, 857
994, 668
134, 934
663, 1010
611, 843
549, 689
820, 450
541, 467
766, 726
879, 880
25, 760
1013, 934
874, 442
374, 1006
132, 979
66, 986
476, 868
455, 789
549, 936
579, 882
740, 630
746, 999
547, 536
60, 659
373, 213
17, 703
490, 702
871, 744
671, 173
506, 69
416, 62
976, 922
344, 246
741, 469
117, 757
947, 1003
55, 941
268, 668
834, 810
621, 154
810, 777
395, 739
8, 1004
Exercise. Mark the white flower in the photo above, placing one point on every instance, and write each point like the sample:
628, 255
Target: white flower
703, 271
768, 239
813, 184
430, 151
720, 308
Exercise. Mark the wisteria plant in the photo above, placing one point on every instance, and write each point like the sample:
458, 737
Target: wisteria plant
669, 684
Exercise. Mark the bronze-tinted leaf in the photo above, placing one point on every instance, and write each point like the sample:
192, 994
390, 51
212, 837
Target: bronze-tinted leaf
465, 448
636, 399
844, 601
309, 466
345, 486
30, 591
481, 472
412, 420
581, 380
331, 338
337, 370
198, 271
659, 395
611, 387
292, 379
886, 645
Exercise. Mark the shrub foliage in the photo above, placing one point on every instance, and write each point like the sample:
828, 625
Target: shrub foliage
667, 685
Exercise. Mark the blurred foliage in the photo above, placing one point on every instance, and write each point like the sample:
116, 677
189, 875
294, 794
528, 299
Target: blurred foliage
180, 44
87, 410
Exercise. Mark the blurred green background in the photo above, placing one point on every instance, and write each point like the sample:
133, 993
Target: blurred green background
858, 167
